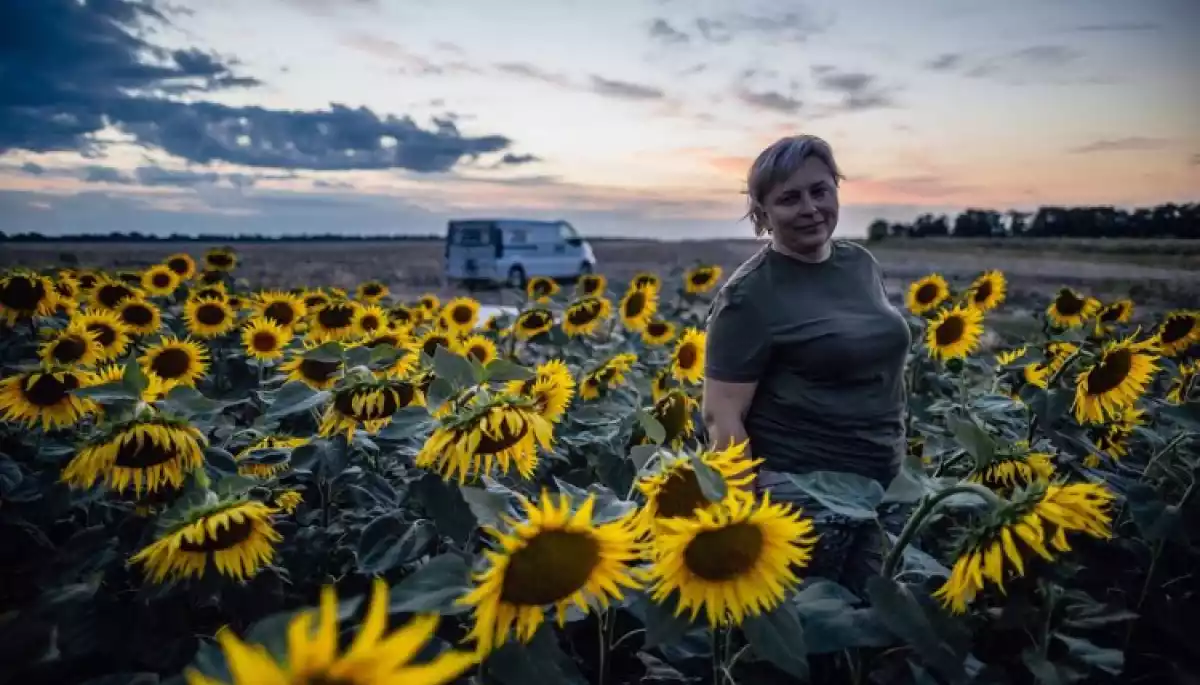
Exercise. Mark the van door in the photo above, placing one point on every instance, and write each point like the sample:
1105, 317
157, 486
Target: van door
471, 248
571, 254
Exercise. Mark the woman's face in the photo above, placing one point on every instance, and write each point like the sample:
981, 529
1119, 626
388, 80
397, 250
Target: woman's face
802, 212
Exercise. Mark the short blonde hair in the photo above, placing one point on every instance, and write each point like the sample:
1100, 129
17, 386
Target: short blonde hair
778, 162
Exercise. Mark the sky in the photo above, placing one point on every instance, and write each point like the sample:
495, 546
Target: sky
630, 118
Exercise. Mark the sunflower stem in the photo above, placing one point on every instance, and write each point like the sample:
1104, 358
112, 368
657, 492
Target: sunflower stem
602, 633
1170, 447
925, 509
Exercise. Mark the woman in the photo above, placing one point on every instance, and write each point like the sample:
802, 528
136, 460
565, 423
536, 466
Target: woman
805, 355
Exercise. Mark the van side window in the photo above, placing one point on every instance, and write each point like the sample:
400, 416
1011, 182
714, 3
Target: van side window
517, 237
566, 232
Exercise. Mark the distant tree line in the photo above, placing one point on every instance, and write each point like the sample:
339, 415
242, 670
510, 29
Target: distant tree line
136, 237
1163, 221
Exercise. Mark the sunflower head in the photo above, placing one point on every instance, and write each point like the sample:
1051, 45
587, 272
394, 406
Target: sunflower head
646, 280
1069, 309
1007, 357
1184, 386
371, 291
1013, 468
987, 291
314, 299
74, 345
584, 316
927, 294
265, 340
551, 389
403, 316
673, 411
109, 293
222, 259
209, 318
139, 315
541, 288
267, 457
370, 319
110, 331
175, 361
1114, 313
333, 321
24, 294
501, 432
658, 332
533, 322
428, 343
182, 265
608, 374
460, 314
368, 404
591, 284
1116, 380
701, 279
673, 489
954, 333
480, 348
429, 302
235, 539
638, 306
687, 361
318, 374
210, 291
280, 307
1178, 331
44, 396
663, 381
142, 454
160, 280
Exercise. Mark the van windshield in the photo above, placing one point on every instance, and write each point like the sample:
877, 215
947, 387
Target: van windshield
471, 234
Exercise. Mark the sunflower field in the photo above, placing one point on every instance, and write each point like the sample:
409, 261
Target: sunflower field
204, 483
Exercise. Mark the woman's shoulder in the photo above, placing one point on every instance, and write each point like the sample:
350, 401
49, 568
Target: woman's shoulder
854, 248
746, 274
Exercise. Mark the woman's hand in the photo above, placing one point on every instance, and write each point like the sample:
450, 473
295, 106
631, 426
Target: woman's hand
724, 406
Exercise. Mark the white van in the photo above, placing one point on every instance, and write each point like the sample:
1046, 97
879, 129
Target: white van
510, 251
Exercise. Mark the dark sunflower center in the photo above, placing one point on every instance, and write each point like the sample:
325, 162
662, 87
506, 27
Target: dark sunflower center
534, 320
687, 356
178, 265
318, 371
372, 289
210, 277
461, 315
224, 538
505, 438
1108, 373
590, 285
131, 277
264, 341
552, 566
87, 281
431, 344
635, 304
105, 334
314, 301
171, 363
335, 316
983, 292
700, 278
210, 314
137, 315
582, 314
724, 554
541, 288
656, 329
1177, 328
643, 280
671, 412
927, 293
134, 454
680, 495
369, 322
160, 280
401, 315
383, 340
111, 294
220, 260
48, 391
69, 349
1111, 313
280, 312
950, 331
1067, 304
479, 352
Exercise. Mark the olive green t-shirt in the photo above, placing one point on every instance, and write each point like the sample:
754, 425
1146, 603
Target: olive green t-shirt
827, 350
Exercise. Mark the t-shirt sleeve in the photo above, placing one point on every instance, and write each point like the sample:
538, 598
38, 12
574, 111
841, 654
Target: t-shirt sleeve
739, 342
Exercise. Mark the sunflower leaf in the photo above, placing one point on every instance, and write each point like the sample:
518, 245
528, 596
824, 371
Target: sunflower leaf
234, 485
899, 610
326, 352
454, 369
640, 455
488, 505
134, 378
540, 661
433, 587
712, 485
974, 439
653, 427
115, 391
778, 636
848, 494
219, 462
499, 370
295, 397
390, 541
439, 392
190, 402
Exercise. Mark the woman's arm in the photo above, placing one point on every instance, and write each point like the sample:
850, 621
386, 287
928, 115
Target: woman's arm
724, 406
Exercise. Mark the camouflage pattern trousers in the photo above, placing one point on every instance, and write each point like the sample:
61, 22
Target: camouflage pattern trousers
849, 550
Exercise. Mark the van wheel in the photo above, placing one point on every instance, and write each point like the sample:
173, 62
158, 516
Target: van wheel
516, 278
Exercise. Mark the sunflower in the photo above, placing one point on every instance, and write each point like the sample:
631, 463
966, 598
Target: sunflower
406, 357
209, 318
585, 315
658, 332
502, 431
143, 454
74, 345
246, 458
552, 557
1058, 352
236, 303
140, 316
44, 396
433, 339
109, 293
1178, 331
1115, 381
176, 361
182, 265
1078, 507
608, 374
663, 381
673, 491
316, 374
1036, 374
926, 294
110, 332
701, 279
371, 292
541, 288
374, 658
733, 560
214, 291
987, 291
264, 340
369, 319
1070, 309
220, 259
551, 389
687, 361
403, 316
1112, 314
312, 300
210, 277
238, 537
638, 306
288, 500
66, 288
115, 373
1182, 386
646, 280
24, 295
532, 322
954, 333
160, 280
87, 280
1113, 438
591, 285
430, 303
285, 309
480, 348
1015, 468
333, 321
460, 314
673, 411
369, 404
1007, 357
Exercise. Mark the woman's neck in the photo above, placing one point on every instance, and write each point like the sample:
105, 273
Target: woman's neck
814, 257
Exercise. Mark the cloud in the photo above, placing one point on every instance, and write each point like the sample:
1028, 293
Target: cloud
33, 169
625, 90
860, 91
530, 71
770, 100
408, 62
327, 8
1127, 144
510, 158
85, 66
158, 176
945, 62
105, 174
1118, 27
661, 30
322, 183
